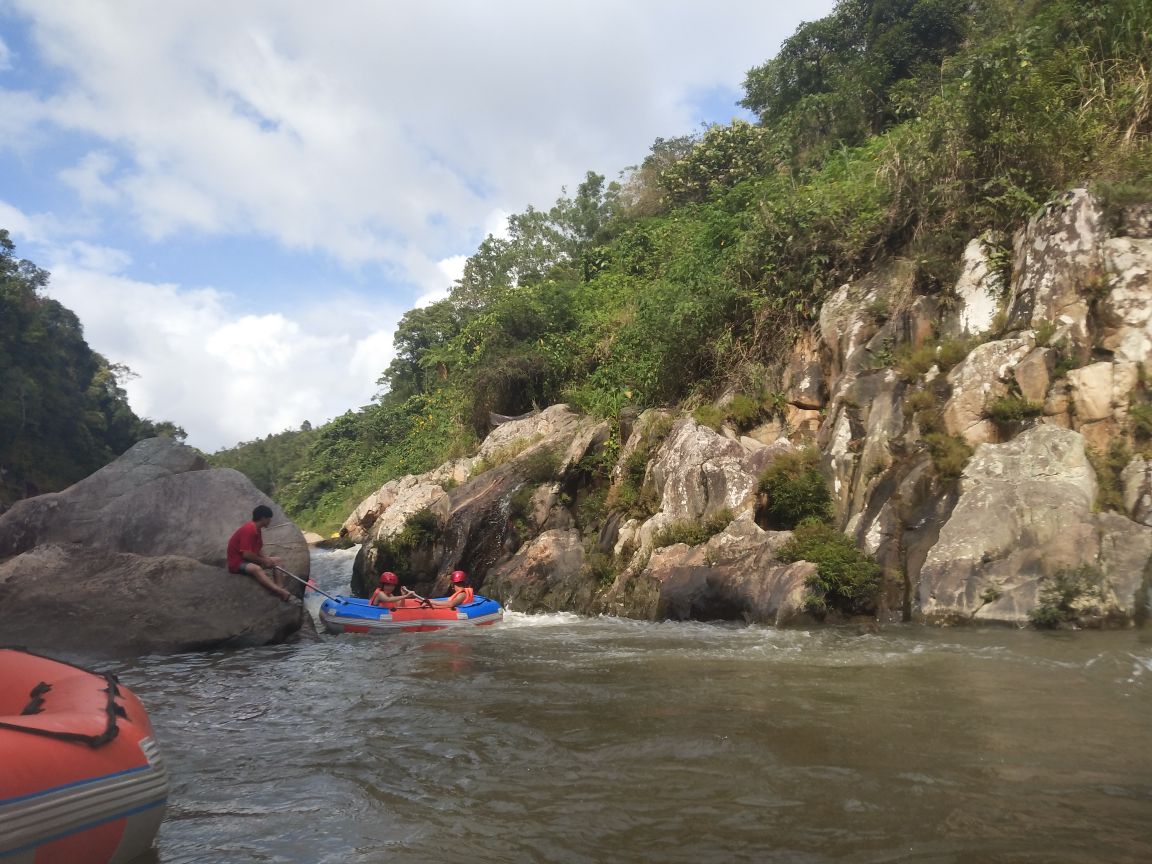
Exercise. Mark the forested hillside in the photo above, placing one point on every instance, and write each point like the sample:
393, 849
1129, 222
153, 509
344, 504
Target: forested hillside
889, 128
63, 413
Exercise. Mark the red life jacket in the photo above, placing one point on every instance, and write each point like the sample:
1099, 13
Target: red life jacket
468, 593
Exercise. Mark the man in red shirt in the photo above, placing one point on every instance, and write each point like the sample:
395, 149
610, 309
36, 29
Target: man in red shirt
244, 552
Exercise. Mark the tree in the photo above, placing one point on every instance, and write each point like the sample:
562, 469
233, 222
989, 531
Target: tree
63, 413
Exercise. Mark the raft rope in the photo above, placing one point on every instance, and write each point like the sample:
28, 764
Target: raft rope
36, 706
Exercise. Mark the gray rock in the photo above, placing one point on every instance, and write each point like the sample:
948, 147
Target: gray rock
1056, 255
734, 576
96, 602
545, 575
804, 383
1033, 374
978, 289
156, 499
697, 474
1026, 512
156, 503
1125, 312
476, 534
1136, 482
981, 377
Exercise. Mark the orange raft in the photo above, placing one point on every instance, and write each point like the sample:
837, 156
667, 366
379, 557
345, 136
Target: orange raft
81, 778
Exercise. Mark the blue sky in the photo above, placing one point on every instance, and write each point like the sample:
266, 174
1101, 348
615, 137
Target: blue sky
240, 200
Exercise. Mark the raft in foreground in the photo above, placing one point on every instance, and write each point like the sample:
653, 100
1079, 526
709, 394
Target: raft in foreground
354, 615
81, 777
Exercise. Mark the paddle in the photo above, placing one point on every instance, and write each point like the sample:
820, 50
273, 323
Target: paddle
308, 583
423, 600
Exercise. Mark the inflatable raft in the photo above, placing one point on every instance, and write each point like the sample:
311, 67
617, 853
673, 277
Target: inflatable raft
353, 615
81, 778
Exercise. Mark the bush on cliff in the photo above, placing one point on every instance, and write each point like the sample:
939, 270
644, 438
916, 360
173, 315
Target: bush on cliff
692, 532
1067, 596
795, 490
846, 580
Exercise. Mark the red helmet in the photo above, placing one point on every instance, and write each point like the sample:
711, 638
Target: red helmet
458, 576
388, 578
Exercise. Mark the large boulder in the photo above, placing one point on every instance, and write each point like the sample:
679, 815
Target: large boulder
698, 474
157, 502
1025, 513
977, 290
1056, 256
65, 597
982, 376
359, 525
546, 575
733, 576
1126, 310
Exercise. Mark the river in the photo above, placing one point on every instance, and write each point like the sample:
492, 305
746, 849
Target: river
553, 738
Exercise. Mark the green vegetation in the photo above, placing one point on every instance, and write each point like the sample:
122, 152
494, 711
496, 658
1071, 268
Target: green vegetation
271, 461
989, 595
63, 413
1109, 466
1140, 416
1068, 595
710, 416
913, 361
627, 495
903, 127
541, 465
693, 533
1011, 410
795, 490
395, 553
600, 567
744, 410
950, 453
846, 579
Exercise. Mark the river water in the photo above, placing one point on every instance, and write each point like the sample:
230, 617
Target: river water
553, 738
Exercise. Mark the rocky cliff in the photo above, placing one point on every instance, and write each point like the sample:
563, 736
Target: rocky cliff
986, 442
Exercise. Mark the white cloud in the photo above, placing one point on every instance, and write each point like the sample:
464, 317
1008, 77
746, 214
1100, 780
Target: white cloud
99, 259
225, 378
89, 178
346, 133
16, 221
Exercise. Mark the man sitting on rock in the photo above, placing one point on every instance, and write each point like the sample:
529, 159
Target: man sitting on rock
244, 553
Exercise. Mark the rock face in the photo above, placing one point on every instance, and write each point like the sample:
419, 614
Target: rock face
697, 474
66, 597
733, 576
1024, 514
972, 481
1017, 503
475, 526
982, 376
116, 537
544, 576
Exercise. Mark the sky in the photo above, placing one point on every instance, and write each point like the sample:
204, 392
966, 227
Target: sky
241, 199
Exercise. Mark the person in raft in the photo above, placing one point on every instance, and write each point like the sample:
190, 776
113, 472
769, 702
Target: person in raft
244, 553
461, 592
386, 594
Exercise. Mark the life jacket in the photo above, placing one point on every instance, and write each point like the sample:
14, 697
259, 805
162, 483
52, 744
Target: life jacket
469, 595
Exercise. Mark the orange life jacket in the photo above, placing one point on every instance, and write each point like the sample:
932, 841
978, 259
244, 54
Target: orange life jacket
468, 593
